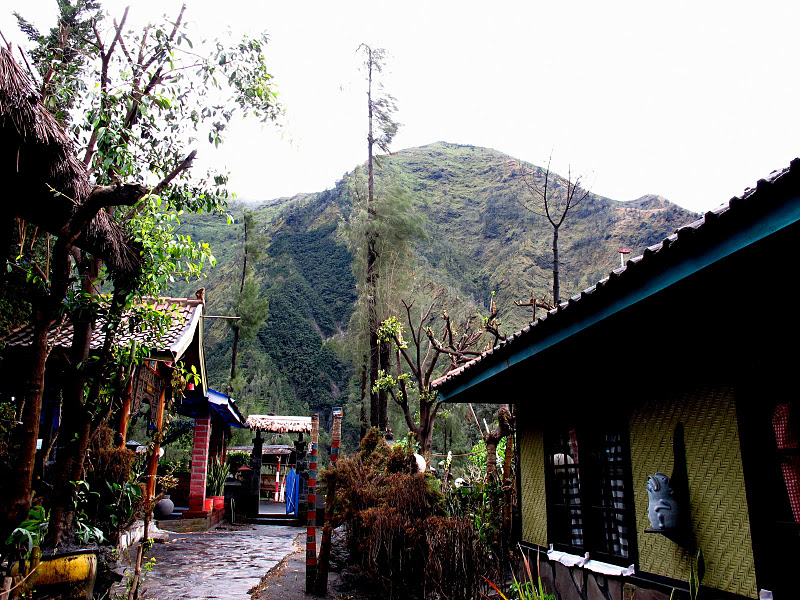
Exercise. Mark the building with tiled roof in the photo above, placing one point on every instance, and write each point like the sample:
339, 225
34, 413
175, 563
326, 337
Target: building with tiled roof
680, 362
180, 342
185, 315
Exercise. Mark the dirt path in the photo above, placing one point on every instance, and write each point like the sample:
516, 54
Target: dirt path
287, 580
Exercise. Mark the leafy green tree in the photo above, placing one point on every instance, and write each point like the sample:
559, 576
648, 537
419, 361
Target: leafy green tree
132, 103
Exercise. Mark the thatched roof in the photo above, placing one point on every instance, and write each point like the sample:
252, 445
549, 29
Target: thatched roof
37, 159
279, 424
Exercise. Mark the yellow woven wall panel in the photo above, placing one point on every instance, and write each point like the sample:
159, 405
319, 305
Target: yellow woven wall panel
534, 510
716, 487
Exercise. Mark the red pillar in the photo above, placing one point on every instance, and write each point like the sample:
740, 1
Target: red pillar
197, 482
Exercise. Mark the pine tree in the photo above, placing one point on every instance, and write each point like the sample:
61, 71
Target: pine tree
380, 108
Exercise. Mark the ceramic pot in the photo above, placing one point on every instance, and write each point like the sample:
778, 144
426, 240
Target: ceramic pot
163, 508
219, 502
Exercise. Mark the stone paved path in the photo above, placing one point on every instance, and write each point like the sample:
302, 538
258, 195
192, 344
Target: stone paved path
224, 563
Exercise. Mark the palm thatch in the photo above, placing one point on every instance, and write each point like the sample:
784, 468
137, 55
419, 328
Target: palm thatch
279, 423
38, 159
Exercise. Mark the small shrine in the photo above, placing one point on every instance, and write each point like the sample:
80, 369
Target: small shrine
276, 480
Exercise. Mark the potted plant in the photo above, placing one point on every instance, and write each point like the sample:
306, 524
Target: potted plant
217, 474
58, 575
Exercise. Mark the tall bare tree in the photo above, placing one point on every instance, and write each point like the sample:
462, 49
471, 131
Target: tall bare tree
552, 199
248, 306
380, 108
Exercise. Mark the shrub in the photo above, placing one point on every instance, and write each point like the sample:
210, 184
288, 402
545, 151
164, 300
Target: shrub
396, 527
237, 459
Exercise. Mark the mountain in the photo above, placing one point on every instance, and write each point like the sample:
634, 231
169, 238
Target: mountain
479, 239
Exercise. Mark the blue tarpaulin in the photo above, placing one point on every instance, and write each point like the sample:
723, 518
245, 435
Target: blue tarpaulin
292, 492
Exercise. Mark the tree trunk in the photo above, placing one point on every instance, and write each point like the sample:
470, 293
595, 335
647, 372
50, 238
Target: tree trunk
508, 487
69, 469
76, 416
424, 435
385, 350
364, 424
234, 354
556, 286
493, 438
235, 350
372, 265
372, 322
17, 502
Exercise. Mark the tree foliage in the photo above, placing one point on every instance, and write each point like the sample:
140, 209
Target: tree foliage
134, 102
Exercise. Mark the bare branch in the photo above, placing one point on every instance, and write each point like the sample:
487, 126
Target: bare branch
185, 164
25, 60
534, 304
118, 34
125, 48
492, 324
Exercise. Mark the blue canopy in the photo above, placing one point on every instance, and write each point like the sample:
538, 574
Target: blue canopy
217, 403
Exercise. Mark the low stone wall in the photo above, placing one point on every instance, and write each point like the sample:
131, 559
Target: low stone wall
135, 533
192, 525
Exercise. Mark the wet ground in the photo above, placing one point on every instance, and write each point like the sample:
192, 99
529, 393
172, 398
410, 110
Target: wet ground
224, 563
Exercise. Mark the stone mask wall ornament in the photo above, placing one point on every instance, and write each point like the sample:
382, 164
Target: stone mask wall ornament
663, 509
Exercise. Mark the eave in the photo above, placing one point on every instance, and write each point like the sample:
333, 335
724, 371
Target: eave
760, 213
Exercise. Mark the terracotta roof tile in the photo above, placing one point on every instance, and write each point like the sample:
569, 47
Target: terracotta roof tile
184, 314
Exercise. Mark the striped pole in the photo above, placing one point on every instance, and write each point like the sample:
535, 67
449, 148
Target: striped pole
278, 479
311, 534
336, 436
325, 547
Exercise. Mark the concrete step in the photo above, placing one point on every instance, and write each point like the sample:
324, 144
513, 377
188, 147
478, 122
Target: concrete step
273, 519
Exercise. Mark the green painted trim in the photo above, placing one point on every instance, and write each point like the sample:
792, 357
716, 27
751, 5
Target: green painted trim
780, 218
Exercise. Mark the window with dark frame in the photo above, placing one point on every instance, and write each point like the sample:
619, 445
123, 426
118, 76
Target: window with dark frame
788, 454
589, 497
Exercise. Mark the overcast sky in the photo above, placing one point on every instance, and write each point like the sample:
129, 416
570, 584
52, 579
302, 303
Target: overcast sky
690, 100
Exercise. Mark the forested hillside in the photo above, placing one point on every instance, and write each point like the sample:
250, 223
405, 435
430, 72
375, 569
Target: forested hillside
478, 239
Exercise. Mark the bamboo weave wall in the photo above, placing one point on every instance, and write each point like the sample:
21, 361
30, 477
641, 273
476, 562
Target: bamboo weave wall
534, 510
716, 486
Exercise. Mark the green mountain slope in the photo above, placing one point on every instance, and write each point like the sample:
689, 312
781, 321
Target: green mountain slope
479, 239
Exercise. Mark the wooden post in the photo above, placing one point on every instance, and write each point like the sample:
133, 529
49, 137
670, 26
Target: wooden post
125, 413
7, 582
311, 533
153, 466
325, 547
